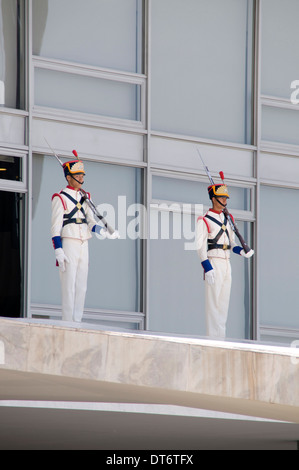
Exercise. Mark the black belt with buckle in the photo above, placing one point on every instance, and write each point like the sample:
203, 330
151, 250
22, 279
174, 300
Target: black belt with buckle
74, 220
217, 246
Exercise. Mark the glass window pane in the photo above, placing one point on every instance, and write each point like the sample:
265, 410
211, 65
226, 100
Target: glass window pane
177, 297
115, 265
280, 125
204, 88
179, 190
280, 46
10, 168
279, 258
239, 323
176, 302
86, 94
94, 32
12, 54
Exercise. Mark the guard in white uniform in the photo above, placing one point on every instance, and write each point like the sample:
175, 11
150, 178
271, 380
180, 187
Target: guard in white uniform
72, 225
215, 240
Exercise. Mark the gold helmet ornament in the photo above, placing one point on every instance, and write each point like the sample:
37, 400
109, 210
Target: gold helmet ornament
218, 190
74, 167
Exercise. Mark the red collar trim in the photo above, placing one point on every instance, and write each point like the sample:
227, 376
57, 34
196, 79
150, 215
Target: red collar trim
71, 187
216, 212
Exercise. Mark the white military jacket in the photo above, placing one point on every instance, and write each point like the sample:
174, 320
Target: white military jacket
70, 219
214, 230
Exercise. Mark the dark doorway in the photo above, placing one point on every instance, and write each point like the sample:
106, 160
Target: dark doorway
10, 254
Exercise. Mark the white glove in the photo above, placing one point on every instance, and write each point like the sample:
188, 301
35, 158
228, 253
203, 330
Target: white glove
110, 236
114, 235
61, 259
103, 233
246, 255
210, 277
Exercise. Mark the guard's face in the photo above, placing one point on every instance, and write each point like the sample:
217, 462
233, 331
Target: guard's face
76, 181
219, 202
79, 177
223, 200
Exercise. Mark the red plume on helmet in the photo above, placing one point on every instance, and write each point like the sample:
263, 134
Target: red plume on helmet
218, 189
75, 153
221, 175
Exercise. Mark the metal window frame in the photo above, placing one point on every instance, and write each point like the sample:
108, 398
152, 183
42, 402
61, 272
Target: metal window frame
67, 67
12, 185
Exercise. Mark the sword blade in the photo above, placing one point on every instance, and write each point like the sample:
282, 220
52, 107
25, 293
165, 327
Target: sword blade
206, 168
61, 163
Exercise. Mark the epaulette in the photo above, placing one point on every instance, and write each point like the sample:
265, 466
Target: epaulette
61, 198
205, 221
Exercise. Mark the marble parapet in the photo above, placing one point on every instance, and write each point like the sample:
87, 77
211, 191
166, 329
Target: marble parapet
62, 362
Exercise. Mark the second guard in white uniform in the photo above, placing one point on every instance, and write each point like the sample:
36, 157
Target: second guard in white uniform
215, 240
72, 225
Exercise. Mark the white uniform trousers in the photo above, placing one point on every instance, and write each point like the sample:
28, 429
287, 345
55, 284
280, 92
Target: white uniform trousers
74, 279
217, 298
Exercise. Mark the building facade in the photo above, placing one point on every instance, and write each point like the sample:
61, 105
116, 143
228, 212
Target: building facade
138, 87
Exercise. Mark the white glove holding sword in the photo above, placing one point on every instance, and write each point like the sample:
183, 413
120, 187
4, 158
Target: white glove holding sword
104, 233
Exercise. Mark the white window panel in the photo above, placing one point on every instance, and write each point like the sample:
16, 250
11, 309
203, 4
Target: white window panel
95, 32
280, 125
279, 46
92, 95
202, 67
278, 257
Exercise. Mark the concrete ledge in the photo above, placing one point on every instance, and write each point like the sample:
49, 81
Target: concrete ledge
60, 362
